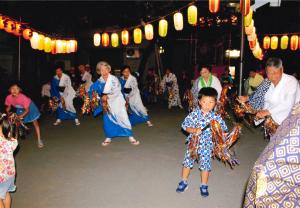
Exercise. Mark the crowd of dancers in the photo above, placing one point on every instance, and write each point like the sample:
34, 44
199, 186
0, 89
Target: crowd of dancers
119, 99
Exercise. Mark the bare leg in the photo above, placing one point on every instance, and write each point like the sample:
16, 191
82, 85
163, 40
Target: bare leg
204, 177
1, 204
37, 129
7, 200
185, 173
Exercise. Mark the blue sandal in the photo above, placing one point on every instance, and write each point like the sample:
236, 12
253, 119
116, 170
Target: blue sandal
204, 190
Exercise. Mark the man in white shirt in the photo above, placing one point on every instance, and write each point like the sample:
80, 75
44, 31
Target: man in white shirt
45, 93
86, 77
283, 93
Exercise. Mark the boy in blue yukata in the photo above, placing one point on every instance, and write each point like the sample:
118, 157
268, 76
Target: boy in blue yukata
196, 124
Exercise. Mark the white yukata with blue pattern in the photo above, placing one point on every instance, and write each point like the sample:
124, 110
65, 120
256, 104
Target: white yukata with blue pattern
196, 119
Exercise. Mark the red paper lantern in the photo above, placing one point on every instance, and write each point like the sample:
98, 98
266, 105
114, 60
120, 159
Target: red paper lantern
9, 26
252, 44
214, 6
266, 42
18, 29
27, 34
247, 6
294, 42
2, 22
125, 37
105, 39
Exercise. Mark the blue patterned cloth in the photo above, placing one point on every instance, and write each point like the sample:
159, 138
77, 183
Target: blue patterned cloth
196, 119
32, 115
257, 98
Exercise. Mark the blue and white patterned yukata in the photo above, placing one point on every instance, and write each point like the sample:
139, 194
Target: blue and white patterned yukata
196, 119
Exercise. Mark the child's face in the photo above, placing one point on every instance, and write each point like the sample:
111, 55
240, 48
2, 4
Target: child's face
14, 90
207, 103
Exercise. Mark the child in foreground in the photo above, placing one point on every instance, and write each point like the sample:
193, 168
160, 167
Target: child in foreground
7, 162
193, 124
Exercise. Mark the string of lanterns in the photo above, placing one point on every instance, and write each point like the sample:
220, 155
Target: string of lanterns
271, 41
104, 39
38, 40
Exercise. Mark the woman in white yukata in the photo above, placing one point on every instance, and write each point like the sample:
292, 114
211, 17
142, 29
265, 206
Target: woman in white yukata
62, 90
115, 118
86, 78
169, 83
206, 79
137, 111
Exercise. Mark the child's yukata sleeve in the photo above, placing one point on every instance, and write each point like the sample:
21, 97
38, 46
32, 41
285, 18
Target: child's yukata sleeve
189, 121
222, 123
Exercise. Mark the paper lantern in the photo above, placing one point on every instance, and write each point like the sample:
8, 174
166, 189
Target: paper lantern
2, 22
192, 15
97, 39
125, 37
105, 39
53, 46
41, 42
137, 36
248, 18
163, 28
27, 34
149, 32
68, 46
73, 46
252, 43
9, 26
64, 46
284, 42
250, 28
214, 6
247, 6
59, 46
178, 21
114, 40
266, 42
294, 42
34, 40
18, 29
274, 42
47, 44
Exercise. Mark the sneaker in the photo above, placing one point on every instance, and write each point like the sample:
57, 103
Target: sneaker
57, 122
77, 123
182, 187
40, 144
204, 190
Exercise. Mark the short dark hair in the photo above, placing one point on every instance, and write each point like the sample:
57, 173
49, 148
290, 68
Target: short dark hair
207, 66
6, 126
125, 67
274, 62
209, 92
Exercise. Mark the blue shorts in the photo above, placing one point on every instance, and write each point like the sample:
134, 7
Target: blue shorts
7, 186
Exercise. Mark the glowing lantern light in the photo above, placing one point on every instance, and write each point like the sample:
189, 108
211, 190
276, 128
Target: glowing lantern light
114, 40
2, 22
9, 26
247, 6
294, 42
192, 15
163, 28
149, 32
27, 34
250, 28
105, 39
34, 40
41, 42
125, 37
248, 18
266, 42
18, 29
47, 44
284, 41
73, 46
137, 36
68, 47
59, 46
64, 46
97, 39
178, 21
53, 46
274, 42
214, 6
252, 43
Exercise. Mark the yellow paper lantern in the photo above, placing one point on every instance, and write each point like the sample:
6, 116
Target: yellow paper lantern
27, 34
284, 42
9, 26
250, 28
97, 39
64, 46
68, 47
41, 42
34, 40
247, 6
114, 40
178, 21
47, 44
18, 29
266, 42
73, 46
125, 37
163, 28
214, 6
53, 46
59, 46
149, 32
274, 42
294, 42
252, 36
137, 36
192, 14
2, 22
248, 18
105, 39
